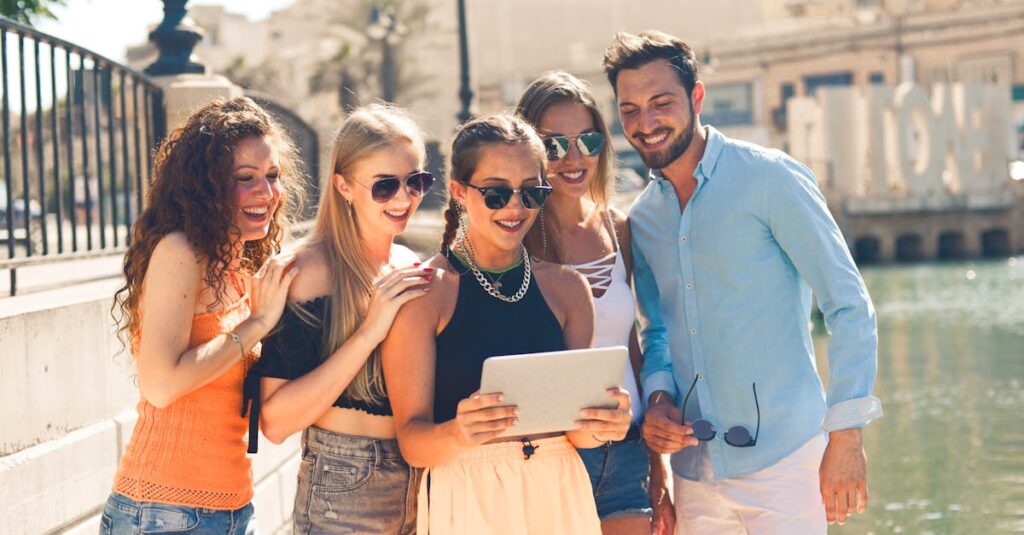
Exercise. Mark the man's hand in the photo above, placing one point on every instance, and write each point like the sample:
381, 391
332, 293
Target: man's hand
663, 428
844, 476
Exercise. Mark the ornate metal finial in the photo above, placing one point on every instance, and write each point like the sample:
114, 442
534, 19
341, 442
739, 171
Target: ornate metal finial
175, 37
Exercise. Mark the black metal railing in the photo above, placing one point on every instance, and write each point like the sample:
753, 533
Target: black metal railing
77, 132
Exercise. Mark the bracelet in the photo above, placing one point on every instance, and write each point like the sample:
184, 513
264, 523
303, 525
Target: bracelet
238, 340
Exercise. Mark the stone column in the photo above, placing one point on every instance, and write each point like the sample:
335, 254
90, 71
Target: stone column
184, 93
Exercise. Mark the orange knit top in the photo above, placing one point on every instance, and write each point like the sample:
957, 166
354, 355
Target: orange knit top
192, 452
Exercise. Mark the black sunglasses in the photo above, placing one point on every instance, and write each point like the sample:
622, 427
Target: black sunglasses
589, 143
416, 185
737, 436
496, 197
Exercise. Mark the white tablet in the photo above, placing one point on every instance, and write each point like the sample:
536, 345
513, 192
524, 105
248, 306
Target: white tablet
551, 388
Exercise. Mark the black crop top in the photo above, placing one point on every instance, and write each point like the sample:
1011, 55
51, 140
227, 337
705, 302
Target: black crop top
290, 351
483, 326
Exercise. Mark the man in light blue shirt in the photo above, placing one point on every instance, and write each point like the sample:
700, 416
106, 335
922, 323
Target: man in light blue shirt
729, 240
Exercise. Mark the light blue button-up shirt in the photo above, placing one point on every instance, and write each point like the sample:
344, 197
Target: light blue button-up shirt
724, 290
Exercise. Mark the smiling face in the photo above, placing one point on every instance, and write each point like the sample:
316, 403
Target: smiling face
257, 189
511, 166
572, 174
657, 114
381, 218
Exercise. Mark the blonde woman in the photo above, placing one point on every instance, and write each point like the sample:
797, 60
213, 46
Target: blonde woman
578, 228
321, 370
491, 299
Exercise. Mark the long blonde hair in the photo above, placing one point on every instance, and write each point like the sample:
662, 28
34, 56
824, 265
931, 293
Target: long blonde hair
336, 231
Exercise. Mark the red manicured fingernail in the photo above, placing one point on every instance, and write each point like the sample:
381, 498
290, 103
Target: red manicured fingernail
428, 270
417, 264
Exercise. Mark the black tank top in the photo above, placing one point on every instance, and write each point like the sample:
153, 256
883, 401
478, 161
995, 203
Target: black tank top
483, 326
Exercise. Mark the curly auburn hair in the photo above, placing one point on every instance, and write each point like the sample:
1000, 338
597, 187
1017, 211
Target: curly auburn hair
191, 193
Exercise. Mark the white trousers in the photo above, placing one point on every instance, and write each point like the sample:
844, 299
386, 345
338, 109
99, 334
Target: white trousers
783, 499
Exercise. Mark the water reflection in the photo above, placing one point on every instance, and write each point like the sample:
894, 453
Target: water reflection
948, 457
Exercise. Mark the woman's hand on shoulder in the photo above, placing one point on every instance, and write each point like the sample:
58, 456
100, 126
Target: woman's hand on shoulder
270, 287
390, 292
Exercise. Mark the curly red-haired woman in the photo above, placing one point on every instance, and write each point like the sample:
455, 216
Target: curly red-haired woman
193, 308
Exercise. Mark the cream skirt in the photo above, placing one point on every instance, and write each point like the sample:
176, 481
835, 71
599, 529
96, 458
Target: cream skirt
494, 489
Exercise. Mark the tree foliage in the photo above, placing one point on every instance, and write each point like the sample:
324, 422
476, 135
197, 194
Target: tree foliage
28, 11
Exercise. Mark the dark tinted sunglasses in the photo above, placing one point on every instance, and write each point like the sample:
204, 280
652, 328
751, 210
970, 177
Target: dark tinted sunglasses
416, 185
589, 143
496, 197
738, 436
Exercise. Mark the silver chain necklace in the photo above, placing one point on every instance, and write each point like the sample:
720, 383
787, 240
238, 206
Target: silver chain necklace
467, 250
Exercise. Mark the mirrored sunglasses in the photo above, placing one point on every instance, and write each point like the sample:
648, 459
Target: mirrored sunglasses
589, 144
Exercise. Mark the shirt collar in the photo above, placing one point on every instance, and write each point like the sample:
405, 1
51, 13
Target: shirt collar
706, 166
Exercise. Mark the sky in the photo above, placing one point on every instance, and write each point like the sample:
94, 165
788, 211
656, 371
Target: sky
108, 27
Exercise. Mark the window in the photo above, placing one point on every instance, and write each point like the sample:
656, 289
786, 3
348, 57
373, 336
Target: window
876, 78
779, 119
728, 105
812, 83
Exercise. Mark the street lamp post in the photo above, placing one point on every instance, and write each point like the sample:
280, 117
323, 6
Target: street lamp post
465, 93
384, 27
175, 38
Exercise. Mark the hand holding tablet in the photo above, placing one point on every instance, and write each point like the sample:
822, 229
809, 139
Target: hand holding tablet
551, 391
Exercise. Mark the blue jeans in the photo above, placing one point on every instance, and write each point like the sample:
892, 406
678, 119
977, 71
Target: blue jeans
351, 484
619, 474
123, 516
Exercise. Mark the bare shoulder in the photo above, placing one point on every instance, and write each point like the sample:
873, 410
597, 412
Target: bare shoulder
444, 289
402, 256
560, 283
174, 254
314, 274
621, 222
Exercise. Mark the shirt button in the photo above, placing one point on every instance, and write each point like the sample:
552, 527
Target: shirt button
689, 286
693, 331
683, 238
700, 377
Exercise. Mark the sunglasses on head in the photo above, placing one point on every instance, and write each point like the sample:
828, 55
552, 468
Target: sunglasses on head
496, 197
737, 436
589, 143
416, 184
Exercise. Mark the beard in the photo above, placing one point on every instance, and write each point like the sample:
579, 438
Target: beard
664, 157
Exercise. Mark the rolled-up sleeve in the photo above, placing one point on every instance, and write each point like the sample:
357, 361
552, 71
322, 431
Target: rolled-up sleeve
802, 225
656, 372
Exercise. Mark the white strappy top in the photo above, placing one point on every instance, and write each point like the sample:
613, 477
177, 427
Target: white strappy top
614, 310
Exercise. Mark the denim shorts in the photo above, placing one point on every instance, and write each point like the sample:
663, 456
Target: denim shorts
619, 476
123, 515
350, 484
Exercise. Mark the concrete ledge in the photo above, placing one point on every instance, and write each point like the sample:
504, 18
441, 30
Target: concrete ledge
63, 370
46, 486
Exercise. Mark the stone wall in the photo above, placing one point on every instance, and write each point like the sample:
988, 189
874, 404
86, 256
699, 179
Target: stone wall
68, 395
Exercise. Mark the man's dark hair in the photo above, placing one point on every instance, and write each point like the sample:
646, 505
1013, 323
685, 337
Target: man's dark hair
629, 51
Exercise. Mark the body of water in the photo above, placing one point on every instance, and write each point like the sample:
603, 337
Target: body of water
948, 456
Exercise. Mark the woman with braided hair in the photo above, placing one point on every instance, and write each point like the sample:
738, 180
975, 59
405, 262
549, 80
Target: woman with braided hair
478, 482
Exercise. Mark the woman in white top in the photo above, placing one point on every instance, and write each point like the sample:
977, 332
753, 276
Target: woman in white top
578, 228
